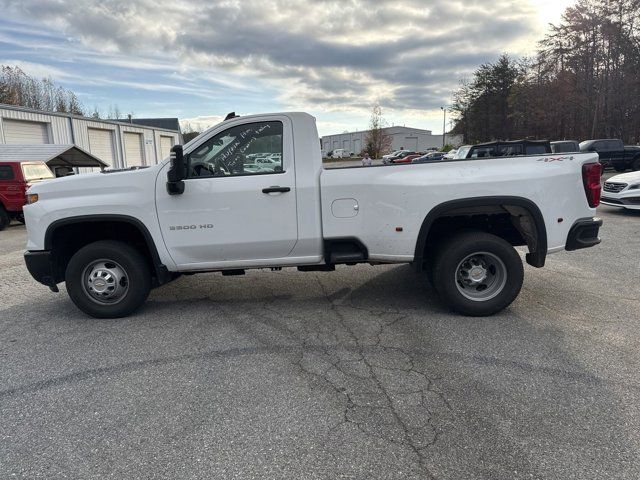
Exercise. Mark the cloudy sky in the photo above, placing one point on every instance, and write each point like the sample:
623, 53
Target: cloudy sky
335, 59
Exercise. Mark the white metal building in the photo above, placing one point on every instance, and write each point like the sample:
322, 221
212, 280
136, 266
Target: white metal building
118, 144
402, 138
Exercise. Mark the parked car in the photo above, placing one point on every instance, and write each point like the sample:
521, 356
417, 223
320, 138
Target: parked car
456, 221
512, 148
451, 154
622, 191
565, 146
614, 153
386, 159
429, 157
407, 159
15, 179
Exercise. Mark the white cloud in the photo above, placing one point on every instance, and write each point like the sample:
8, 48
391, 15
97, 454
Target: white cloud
341, 56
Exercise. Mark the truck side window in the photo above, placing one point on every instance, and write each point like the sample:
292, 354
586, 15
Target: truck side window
6, 172
536, 150
248, 149
506, 150
614, 145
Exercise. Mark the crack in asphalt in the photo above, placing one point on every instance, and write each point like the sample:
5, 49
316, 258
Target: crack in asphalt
385, 419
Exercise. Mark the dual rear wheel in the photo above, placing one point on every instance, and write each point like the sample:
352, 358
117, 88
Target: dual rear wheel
477, 274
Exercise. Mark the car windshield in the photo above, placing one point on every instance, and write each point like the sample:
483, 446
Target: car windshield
36, 171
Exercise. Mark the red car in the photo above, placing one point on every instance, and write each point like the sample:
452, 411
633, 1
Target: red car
407, 159
15, 178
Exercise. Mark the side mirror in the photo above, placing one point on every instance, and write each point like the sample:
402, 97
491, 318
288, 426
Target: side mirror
177, 173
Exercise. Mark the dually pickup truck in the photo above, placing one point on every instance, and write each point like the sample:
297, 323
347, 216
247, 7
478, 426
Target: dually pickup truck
112, 236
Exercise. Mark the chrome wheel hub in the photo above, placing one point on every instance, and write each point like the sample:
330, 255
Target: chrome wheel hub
105, 282
481, 276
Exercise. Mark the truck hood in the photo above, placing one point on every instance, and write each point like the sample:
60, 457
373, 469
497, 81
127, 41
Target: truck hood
84, 183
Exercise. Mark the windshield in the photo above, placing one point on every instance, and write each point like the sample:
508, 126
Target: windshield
461, 153
36, 171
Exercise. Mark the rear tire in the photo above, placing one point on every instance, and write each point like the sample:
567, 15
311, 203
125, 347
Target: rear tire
636, 164
4, 218
619, 168
478, 274
108, 279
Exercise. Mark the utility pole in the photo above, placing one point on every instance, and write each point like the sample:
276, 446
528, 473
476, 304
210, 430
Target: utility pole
444, 125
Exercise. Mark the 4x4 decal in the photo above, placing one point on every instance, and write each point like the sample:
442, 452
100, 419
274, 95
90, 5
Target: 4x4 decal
554, 159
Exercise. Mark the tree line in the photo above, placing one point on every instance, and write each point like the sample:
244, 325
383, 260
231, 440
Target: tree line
23, 90
583, 82
18, 88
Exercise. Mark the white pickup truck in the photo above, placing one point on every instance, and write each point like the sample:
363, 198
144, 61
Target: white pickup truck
112, 236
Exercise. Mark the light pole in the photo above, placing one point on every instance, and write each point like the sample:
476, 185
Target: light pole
444, 124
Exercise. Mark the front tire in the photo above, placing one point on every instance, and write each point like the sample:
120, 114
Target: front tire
636, 164
478, 274
619, 168
108, 279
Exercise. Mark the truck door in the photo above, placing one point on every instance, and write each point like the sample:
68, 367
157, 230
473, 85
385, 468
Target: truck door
233, 208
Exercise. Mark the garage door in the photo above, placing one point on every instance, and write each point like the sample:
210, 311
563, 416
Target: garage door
21, 132
133, 149
101, 144
165, 146
411, 143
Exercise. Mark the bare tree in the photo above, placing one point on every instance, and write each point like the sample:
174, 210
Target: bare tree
377, 142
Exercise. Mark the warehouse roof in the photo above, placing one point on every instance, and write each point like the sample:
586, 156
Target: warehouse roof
174, 125
52, 155
164, 123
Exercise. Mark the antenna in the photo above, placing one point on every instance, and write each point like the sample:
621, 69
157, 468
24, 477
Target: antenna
230, 116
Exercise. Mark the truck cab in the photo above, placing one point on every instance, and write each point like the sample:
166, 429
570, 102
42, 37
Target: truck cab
15, 178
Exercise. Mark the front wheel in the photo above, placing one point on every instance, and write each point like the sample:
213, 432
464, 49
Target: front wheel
108, 279
636, 164
478, 274
619, 168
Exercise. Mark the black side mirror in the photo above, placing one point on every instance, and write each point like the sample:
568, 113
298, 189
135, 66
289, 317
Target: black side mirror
177, 173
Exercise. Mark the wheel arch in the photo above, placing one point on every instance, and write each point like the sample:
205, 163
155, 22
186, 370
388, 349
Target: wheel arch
488, 205
105, 226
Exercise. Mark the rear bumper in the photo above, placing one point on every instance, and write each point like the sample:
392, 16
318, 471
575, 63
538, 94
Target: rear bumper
40, 266
584, 234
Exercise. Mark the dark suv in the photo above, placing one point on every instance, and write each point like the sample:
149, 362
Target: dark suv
614, 153
512, 148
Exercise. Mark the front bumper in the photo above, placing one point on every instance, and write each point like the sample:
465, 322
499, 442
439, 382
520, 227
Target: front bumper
41, 268
626, 199
584, 234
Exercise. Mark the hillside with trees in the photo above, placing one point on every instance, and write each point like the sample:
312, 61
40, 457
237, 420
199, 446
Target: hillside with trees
583, 82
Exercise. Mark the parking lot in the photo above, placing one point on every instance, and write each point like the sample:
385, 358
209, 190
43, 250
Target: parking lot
359, 373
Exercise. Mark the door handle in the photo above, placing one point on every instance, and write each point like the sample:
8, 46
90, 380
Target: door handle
276, 189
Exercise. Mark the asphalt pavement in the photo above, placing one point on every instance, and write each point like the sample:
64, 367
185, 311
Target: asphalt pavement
360, 373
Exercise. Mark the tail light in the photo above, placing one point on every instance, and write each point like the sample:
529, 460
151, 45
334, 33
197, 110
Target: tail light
591, 173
